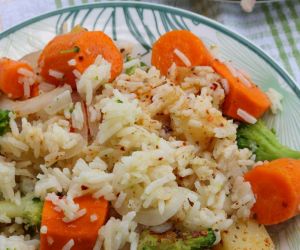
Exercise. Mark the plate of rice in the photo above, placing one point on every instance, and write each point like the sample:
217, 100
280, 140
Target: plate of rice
127, 125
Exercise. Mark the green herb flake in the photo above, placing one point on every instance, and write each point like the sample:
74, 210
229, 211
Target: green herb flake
130, 71
76, 49
4, 121
119, 101
143, 64
128, 58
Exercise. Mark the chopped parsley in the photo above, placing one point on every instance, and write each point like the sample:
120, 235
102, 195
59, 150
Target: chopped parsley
76, 49
130, 71
4, 121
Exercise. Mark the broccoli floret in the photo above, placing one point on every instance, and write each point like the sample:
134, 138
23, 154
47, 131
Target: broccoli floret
30, 209
175, 240
263, 142
4, 121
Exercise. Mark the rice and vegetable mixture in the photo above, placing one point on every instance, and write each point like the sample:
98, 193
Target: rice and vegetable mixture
103, 151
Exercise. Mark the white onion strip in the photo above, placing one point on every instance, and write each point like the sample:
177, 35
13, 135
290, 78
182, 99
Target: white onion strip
32, 105
152, 217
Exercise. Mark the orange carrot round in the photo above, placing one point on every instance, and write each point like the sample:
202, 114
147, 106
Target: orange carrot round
83, 231
83, 47
190, 45
276, 186
10, 77
249, 98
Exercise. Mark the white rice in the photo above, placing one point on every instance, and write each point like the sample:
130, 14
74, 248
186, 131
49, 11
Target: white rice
56, 74
7, 180
72, 62
225, 85
28, 79
183, 57
77, 116
275, 98
43, 229
161, 152
26, 87
93, 217
18, 242
116, 233
243, 79
246, 116
121, 198
94, 76
26, 72
71, 210
232, 69
68, 245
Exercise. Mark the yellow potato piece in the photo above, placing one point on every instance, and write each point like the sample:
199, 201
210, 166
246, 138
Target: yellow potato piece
247, 235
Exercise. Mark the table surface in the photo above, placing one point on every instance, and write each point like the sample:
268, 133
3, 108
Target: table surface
275, 27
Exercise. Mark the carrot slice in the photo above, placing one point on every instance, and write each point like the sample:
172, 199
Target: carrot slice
277, 189
240, 96
9, 77
34, 91
83, 231
84, 47
163, 51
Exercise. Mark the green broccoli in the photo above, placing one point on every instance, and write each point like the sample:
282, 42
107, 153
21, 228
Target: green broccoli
175, 240
4, 121
30, 209
263, 142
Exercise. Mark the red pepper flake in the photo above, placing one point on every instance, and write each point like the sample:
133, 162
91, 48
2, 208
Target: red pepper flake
214, 86
84, 187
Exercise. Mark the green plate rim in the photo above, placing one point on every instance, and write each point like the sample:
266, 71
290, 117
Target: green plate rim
185, 13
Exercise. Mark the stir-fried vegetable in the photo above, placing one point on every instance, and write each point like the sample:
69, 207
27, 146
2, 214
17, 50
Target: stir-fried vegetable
34, 104
242, 94
83, 231
10, 77
29, 210
276, 186
76, 51
186, 49
183, 42
263, 142
176, 240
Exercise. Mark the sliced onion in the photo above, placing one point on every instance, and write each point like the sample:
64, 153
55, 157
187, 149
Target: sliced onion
34, 104
161, 228
32, 59
152, 217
